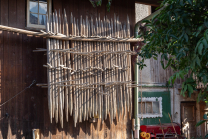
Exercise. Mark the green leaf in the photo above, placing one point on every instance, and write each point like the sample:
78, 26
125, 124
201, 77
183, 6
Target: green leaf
204, 79
168, 64
186, 37
199, 31
189, 94
198, 61
206, 34
190, 88
193, 63
174, 36
198, 43
204, 41
200, 48
200, 122
205, 116
162, 63
185, 88
146, 21
190, 2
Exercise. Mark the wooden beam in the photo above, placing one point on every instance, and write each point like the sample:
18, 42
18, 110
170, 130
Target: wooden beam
64, 37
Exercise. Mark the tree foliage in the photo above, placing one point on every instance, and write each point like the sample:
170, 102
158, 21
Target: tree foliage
96, 3
180, 34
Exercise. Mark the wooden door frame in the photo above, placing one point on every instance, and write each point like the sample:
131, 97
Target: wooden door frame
182, 111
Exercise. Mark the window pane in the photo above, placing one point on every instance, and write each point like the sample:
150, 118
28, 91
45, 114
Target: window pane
42, 19
43, 0
139, 107
33, 7
148, 107
156, 107
42, 8
33, 18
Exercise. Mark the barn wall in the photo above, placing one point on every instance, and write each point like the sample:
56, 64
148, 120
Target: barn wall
153, 73
19, 66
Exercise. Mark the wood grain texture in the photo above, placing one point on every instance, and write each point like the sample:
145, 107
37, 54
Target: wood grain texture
32, 106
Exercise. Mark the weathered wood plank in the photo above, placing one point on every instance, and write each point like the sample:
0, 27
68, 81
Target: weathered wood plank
12, 60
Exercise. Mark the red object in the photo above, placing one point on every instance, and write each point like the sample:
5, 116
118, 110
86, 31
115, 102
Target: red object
156, 130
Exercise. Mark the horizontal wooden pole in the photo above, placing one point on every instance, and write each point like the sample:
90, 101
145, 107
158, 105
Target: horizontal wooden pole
62, 37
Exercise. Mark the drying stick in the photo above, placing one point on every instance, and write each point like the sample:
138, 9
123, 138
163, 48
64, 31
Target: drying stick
162, 129
87, 78
73, 66
64, 73
84, 62
108, 65
92, 70
96, 73
103, 79
52, 70
98, 65
122, 74
118, 72
173, 126
61, 61
112, 71
120, 68
68, 61
116, 63
101, 71
125, 74
111, 75
79, 66
129, 76
59, 76
105, 69
81, 70
85, 72
49, 71
59, 45
76, 76
56, 71
66, 64
129, 68
90, 65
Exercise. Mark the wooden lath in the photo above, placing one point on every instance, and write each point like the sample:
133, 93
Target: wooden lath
88, 78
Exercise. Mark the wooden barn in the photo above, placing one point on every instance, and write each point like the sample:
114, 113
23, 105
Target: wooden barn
26, 110
67, 72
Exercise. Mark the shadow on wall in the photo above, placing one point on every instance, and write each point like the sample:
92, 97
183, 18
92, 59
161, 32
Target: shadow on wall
19, 66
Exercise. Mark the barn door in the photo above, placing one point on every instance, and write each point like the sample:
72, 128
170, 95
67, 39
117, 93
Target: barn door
188, 119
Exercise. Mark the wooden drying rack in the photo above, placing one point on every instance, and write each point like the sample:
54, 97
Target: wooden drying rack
89, 70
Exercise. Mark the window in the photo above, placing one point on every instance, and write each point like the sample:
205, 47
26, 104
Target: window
151, 107
36, 13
